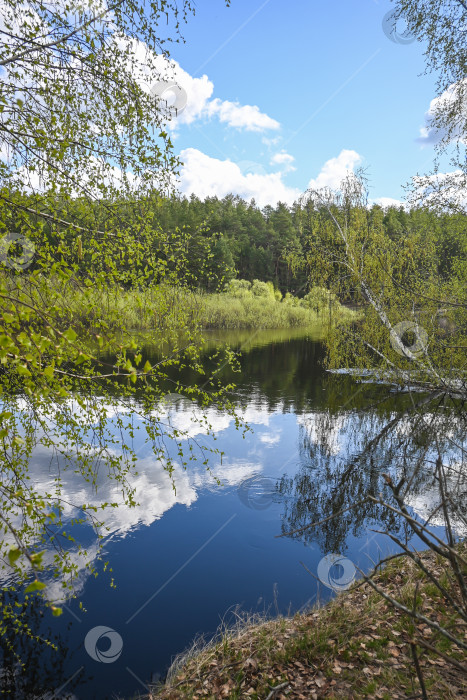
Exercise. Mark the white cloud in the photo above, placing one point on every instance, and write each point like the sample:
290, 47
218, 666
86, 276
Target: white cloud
270, 141
430, 134
246, 117
335, 170
153, 486
209, 177
195, 423
385, 202
197, 91
193, 96
444, 190
284, 159
325, 430
270, 439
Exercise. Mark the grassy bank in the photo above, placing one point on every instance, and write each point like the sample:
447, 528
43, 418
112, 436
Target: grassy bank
174, 307
243, 305
249, 305
224, 311
356, 646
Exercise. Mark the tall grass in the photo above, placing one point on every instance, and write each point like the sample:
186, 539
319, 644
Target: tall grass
165, 308
159, 308
226, 311
258, 305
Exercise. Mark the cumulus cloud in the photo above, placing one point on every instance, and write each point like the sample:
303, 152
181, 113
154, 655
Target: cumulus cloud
154, 491
442, 190
194, 93
210, 177
335, 170
452, 102
246, 117
284, 159
270, 439
386, 202
192, 97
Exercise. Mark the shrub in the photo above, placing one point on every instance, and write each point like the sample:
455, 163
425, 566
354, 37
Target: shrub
319, 299
277, 294
290, 300
262, 289
238, 288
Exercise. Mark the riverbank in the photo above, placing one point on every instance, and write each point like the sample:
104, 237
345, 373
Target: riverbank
354, 647
164, 307
226, 312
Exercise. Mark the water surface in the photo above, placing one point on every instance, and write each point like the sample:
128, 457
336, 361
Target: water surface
184, 559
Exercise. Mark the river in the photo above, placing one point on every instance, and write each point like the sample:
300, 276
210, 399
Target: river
185, 560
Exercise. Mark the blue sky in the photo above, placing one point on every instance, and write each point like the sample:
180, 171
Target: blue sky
279, 95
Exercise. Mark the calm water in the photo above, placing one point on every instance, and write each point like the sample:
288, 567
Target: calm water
184, 561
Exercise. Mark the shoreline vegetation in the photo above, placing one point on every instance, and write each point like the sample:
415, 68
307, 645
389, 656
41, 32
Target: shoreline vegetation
249, 305
357, 645
242, 305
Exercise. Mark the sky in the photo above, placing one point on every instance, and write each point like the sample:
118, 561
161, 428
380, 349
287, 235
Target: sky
276, 97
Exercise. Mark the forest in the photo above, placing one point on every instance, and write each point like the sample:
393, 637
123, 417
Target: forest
205, 244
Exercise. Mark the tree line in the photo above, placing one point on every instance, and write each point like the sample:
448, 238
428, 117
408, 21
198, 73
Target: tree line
204, 244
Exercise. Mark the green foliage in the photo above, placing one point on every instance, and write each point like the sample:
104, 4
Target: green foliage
238, 288
259, 305
405, 287
112, 254
290, 299
87, 147
319, 299
252, 247
250, 311
69, 104
440, 26
262, 289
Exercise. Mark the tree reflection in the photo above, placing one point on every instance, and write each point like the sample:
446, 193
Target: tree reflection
345, 454
32, 671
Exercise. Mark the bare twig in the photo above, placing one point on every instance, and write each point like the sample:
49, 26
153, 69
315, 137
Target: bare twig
449, 659
416, 616
277, 689
418, 669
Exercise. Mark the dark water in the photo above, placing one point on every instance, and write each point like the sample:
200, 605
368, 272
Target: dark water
184, 561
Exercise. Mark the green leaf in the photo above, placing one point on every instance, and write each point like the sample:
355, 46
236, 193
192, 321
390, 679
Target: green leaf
35, 586
48, 372
23, 370
13, 555
70, 335
37, 559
